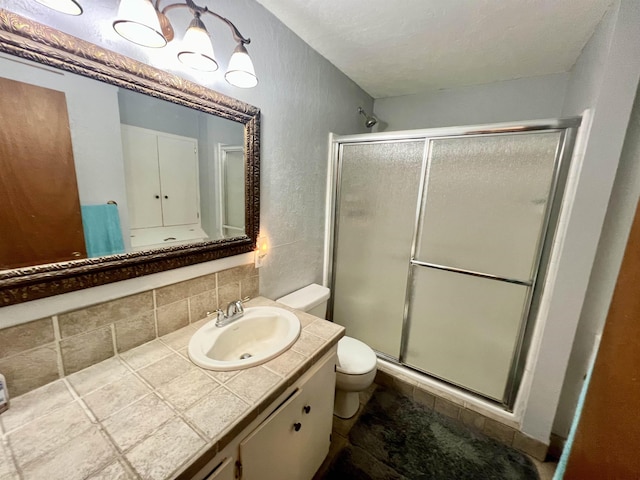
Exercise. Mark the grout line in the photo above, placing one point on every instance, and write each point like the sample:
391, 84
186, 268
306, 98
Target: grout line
80, 401
124, 462
117, 455
8, 451
277, 373
113, 339
177, 413
155, 313
143, 438
250, 404
56, 327
101, 385
210, 375
58, 341
115, 412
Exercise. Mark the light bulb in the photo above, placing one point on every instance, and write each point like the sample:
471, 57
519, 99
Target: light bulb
241, 72
197, 50
138, 22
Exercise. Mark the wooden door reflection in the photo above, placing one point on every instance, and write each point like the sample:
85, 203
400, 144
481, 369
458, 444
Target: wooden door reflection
40, 217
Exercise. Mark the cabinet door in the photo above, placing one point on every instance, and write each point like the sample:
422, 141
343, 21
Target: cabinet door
271, 451
140, 151
316, 419
178, 160
224, 471
292, 443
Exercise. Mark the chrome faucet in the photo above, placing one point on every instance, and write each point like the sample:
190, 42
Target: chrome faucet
235, 310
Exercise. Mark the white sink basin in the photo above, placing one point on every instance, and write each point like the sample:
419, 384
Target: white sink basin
260, 335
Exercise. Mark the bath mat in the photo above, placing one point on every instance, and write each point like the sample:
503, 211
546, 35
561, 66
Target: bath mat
398, 439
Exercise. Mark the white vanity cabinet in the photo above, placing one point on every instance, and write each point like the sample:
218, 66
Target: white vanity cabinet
292, 441
161, 177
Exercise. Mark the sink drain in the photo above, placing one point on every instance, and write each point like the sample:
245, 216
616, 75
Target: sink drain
244, 356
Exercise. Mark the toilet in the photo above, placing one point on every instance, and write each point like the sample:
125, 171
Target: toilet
356, 368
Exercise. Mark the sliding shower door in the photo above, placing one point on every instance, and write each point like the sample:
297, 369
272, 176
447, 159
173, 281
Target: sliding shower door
482, 220
375, 222
438, 246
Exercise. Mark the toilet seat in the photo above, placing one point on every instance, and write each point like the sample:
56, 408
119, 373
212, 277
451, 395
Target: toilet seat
355, 357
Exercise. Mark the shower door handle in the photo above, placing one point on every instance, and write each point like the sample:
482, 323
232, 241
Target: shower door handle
471, 272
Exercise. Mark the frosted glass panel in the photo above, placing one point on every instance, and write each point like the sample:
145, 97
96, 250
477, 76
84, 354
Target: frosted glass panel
485, 202
376, 217
463, 329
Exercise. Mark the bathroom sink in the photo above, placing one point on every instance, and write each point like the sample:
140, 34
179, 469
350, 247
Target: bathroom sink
261, 334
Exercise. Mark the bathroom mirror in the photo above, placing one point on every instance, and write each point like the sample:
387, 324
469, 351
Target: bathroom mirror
154, 106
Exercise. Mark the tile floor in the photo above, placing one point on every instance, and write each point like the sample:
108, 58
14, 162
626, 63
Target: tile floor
341, 429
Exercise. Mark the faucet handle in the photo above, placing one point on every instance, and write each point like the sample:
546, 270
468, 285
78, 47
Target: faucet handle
239, 306
217, 313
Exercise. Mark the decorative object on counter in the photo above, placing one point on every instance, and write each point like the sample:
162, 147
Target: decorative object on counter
397, 438
143, 22
4, 395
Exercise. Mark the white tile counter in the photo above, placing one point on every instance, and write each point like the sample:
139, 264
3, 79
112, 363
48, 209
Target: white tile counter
148, 413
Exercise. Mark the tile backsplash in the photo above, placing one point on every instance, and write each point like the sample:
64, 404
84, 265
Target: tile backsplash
39, 352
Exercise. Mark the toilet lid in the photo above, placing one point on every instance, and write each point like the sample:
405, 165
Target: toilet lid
355, 357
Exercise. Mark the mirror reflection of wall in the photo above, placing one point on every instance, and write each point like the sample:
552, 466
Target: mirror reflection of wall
96, 115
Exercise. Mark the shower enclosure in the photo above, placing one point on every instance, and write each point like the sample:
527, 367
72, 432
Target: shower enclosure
440, 243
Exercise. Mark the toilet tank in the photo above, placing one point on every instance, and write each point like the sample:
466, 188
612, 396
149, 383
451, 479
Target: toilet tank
311, 299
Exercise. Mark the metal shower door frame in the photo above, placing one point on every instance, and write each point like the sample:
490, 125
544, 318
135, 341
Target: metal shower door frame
334, 180
567, 127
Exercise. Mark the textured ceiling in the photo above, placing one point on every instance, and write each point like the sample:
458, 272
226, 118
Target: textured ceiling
401, 47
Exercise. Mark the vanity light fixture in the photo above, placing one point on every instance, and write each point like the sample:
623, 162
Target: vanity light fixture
144, 22
138, 22
70, 7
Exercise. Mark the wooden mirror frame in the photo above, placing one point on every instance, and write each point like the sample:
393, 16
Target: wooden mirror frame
25, 38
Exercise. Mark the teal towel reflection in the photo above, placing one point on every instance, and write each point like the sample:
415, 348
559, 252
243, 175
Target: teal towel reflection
102, 232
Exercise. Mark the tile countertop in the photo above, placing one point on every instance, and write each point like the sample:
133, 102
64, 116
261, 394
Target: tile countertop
148, 413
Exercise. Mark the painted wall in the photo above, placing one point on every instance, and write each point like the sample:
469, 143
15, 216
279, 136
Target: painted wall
147, 112
513, 100
604, 79
302, 98
615, 230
